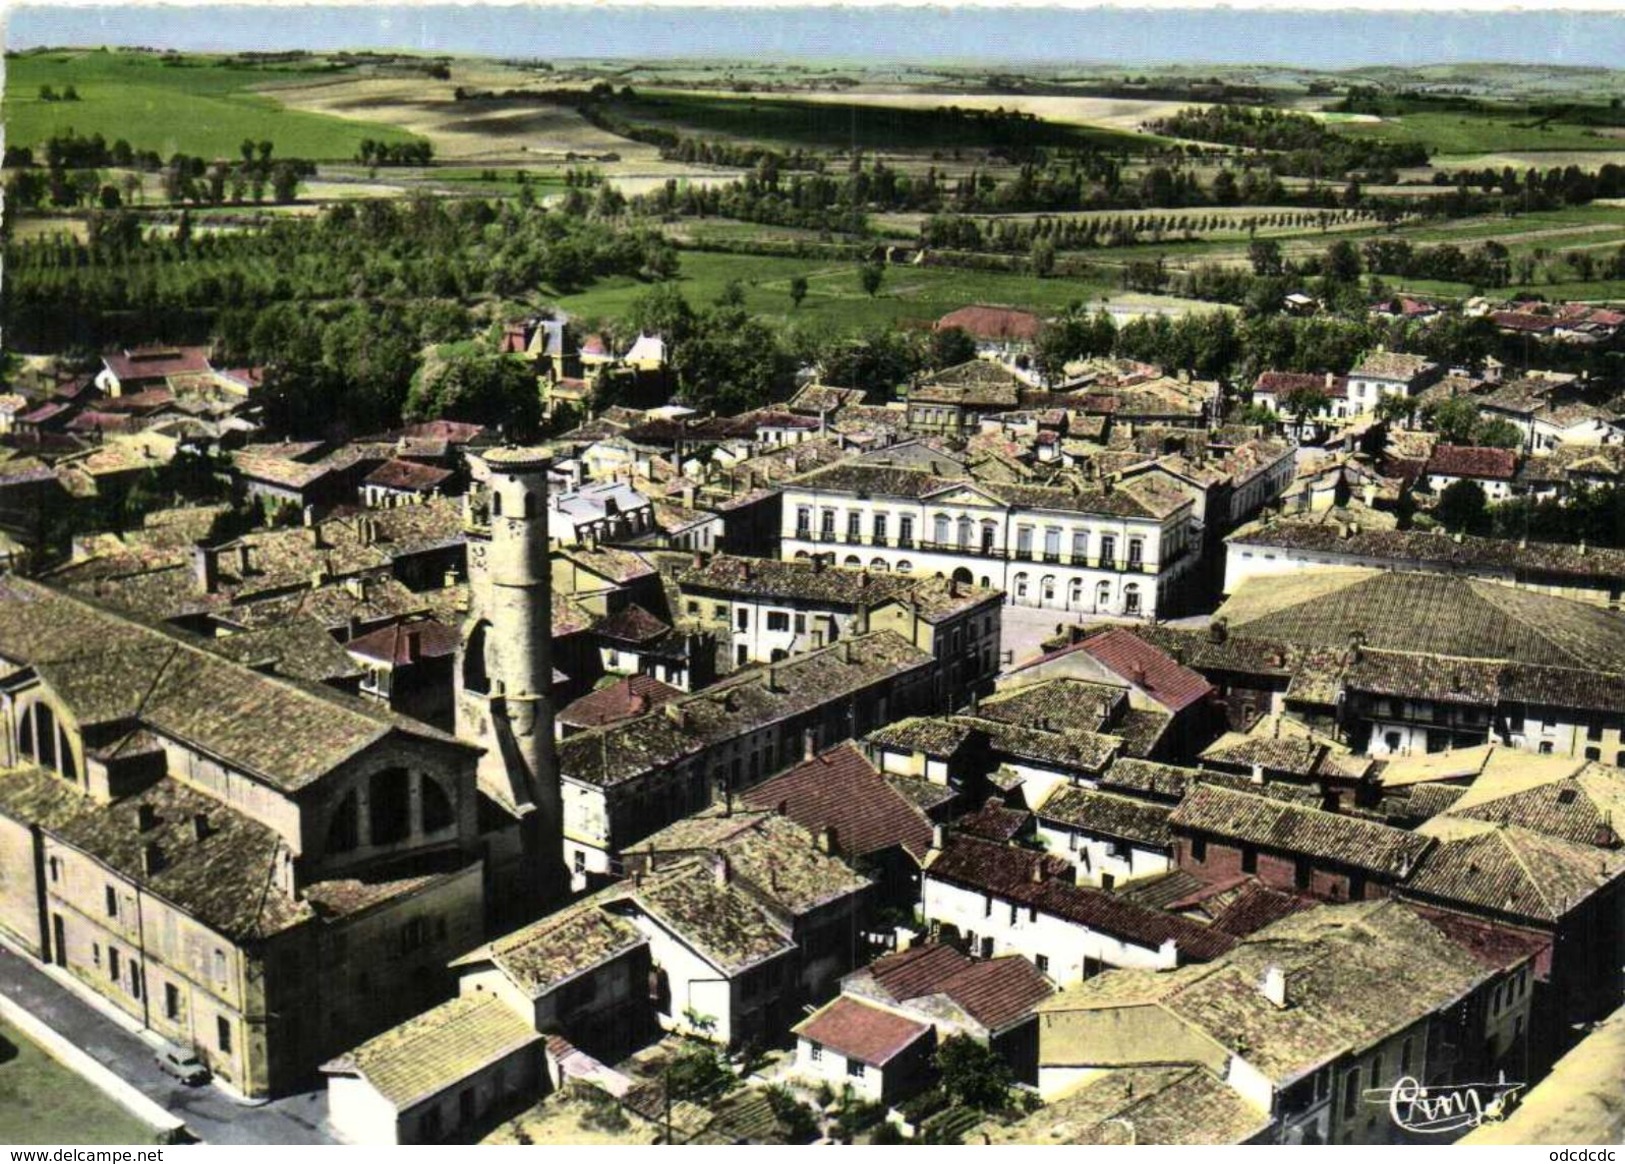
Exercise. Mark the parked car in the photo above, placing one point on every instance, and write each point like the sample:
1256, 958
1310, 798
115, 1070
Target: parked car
183, 1065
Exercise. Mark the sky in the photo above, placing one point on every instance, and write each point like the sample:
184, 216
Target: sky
1325, 38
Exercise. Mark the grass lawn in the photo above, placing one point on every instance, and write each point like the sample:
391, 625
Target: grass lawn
1473, 133
42, 1102
202, 107
833, 295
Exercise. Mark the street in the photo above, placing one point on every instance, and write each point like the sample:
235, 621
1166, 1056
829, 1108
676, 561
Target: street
209, 1113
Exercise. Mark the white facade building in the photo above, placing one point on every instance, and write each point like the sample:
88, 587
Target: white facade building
1112, 549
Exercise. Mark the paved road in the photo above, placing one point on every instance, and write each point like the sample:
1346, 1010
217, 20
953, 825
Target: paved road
209, 1112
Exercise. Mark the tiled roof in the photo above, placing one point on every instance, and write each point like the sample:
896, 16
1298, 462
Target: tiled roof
846, 587
437, 1049
974, 384
1393, 366
990, 323
156, 363
1045, 883
1464, 552
546, 953
1425, 614
724, 924
632, 624
624, 699
298, 648
1573, 801
1509, 870
839, 790
1176, 1104
1171, 684
406, 642
859, 1031
1354, 975
1056, 704
1147, 779
1136, 499
110, 667
408, 475
227, 879
1109, 815
277, 470
1254, 906
994, 822
996, 992
929, 735
1285, 827
1075, 751
1479, 463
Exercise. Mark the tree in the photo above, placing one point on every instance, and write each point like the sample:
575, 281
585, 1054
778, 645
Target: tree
1498, 433
1463, 508
973, 1073
951, 346
1043, 258
46, 93
870, 276
1397, 407
69, 93
1342, 264
1265, 256
284, 182
1454, 420
798, 289
479, 387
1303, 403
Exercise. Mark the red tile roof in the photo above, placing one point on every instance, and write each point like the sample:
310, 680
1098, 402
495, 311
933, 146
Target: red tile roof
632, 624
157, 363
411, 475
1045, 883
994, 821
996, 993
863, 1032
993, 323
92, 421
1124, 653
840, 790
1283, 383
625, 699
147, 400
402, 643
453, 432
1473, 461
1521, 321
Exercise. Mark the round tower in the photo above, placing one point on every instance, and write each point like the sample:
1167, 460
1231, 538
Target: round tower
517, 612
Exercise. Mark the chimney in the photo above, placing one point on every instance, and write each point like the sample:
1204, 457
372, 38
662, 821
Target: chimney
309, 515
152, 858
860, 620
939, 837
818, 563
146, 817
1273, 987
674, 712
1037, 872
720, 868
827, 839
200, 827
243, 558
313, 532
205, 572
688, 495
846, 650
809, 744
414, 645
1218, 631
770, 677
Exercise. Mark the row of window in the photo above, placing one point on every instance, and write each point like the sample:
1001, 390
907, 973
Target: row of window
127, 973
967, 535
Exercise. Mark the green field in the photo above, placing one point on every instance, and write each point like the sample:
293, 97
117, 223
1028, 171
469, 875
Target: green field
834, 297
42, 1102
869, 125
202, 107
1477, 133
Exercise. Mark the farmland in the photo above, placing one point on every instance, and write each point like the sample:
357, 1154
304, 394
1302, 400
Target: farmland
1482, 132
200, 106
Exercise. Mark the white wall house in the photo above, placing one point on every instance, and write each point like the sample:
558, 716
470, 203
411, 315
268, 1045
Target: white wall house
1383, 374
1113, 550
1066, 950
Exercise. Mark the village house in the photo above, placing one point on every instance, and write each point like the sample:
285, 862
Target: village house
953, 401
1384, 374
1001, 333
1117, 549
881, 1055
772, 610
1308, 1021
999, 899
1493, 470
624, 782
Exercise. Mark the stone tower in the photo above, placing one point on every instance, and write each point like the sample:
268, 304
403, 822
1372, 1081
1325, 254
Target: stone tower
505, 679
